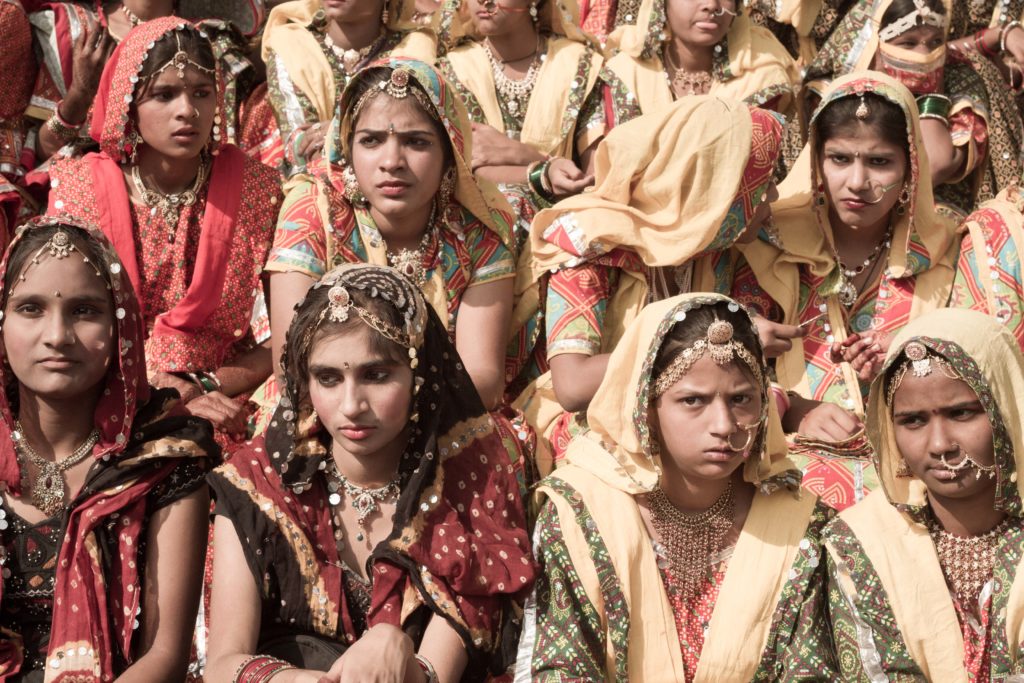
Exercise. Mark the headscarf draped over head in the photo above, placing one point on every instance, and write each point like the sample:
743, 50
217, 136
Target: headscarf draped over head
113, 111
618, 415
557, 17
924, 243
287, 33
986, 355
432, 557
669, 186
144, 436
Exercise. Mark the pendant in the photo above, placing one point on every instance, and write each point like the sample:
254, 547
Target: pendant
513, 106
48, 490
847, 293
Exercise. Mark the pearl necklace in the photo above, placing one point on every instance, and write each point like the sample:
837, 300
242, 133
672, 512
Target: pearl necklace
351, 58
515, 94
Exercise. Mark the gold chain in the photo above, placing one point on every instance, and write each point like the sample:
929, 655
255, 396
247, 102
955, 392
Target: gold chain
170, 205
966, 561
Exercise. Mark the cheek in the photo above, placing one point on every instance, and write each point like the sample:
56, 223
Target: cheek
393, 405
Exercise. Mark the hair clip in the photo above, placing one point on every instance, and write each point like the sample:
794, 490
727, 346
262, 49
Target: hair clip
719, 343
920, 362
921, 13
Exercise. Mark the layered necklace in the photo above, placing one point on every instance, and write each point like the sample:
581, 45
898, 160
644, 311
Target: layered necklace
691, 540
169, 205
847, 290
515, 94
365, 500
684, 82
49, 489
410, 262
351, 58
967, 561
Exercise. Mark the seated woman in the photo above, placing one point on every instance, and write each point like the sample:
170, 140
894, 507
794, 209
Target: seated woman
408, 200
312, 48
672, 188
971, 126
923, 572
861, 251
678, 48
103, 511
541, 147
674, 544
191, 218
376, 531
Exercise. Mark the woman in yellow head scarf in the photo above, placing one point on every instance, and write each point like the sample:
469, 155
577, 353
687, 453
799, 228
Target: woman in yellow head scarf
313, 47
672, 187
860, 251
529, 78
924, 572
970, 124
681, 47
674, 544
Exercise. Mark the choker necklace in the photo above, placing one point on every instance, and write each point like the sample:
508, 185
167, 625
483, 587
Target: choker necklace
409, 262
48, 490
132, 17
684, 82
847, 290
366, 501
515, 94
170, 205
351, 58
966, 561
691, 540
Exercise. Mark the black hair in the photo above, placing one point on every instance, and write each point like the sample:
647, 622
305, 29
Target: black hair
186, 39
839, 118
901, 8
694, 327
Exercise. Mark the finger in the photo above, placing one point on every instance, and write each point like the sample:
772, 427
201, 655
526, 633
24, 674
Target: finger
846, 421
852, 339
788, 331
835, 352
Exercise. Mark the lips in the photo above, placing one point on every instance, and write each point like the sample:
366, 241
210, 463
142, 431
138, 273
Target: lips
356, 432
392, 188
57, 362
185, 134
853, 204
720, 454
708, 26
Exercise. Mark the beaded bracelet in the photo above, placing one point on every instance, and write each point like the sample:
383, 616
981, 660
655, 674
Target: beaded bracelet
259, 669
67, 132
1005, 32
428, 669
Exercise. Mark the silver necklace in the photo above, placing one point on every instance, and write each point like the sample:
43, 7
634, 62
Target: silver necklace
515, 94
365, 500
48, 489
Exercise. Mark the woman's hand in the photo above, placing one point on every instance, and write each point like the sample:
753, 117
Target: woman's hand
823, 421
491, 147
165, 380
566, 178
312, 139
1015, 43
865, 354
384, 654
89, 54
776, 338
225, 413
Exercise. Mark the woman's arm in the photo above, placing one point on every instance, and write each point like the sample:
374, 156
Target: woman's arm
175, 550
576, 377
286, 291
945, 159
481, 336
235, 612
246, 371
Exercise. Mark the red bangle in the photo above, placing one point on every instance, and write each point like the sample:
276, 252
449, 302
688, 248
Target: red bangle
260, 669
979, 43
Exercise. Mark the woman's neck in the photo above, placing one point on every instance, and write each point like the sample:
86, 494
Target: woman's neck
372, 470
966, 516
519, 42
355, 35
166, 175
690, 57
63, 425
692, 495
403, 232
147, 10
854, 245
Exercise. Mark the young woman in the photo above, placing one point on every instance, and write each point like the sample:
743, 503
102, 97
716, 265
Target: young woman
923, 573
642, 235
861, 251
407, 199
674, 544
312, 49
678, 48
970, 125
498, 57
376, 532
103, 511
191, 218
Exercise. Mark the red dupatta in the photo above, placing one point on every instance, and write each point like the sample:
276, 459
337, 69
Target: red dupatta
112, 124
95, 607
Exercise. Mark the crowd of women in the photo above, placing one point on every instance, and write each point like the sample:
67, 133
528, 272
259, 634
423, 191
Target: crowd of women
480, 340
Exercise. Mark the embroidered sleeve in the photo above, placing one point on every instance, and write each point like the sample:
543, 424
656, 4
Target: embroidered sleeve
490, 258
300, 245
292, 108
620, 103
568, 639
577, 302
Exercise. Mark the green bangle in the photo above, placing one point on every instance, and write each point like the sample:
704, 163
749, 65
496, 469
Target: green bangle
936, 117
934, 105
536, 178
208, 383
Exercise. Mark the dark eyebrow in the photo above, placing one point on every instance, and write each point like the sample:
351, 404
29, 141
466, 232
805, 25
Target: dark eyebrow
955, 406
374, 363
397, 132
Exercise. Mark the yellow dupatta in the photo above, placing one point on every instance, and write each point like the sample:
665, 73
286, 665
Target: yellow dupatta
612, 464
807, 238
557, 82
801, 15
287, 34
900, 548
757, 62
